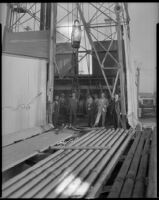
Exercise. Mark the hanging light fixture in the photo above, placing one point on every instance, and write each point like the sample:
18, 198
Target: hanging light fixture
76, 34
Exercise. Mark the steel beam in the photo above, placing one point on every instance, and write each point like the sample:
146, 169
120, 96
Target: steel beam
91, 42
115, 83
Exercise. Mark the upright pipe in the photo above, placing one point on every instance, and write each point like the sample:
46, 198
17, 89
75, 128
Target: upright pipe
52, 54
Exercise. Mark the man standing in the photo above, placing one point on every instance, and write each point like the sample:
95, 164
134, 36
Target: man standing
73, 109
95, 108
90, 109
102, 109
56, 111
116, 111
62, 111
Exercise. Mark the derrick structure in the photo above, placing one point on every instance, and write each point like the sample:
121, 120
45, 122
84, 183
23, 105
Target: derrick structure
102, 35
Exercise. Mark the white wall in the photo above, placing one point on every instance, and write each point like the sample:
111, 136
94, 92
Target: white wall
3, 12
144, 17
22, 80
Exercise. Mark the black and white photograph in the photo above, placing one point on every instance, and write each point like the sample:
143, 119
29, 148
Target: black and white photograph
79, 83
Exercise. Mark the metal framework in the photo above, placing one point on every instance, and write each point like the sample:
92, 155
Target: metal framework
99, 21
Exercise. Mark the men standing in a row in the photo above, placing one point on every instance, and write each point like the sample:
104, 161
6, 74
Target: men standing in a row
102, 109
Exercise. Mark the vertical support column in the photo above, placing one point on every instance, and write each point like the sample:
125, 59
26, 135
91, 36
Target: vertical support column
138, 84
122, 77
52, 57
43, 16
48, 10
7, 24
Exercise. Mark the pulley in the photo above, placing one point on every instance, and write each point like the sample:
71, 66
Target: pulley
76, 34
117, 8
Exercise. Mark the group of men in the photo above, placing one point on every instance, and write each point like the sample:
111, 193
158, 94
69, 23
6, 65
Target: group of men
97, 109
63, 108
65, 111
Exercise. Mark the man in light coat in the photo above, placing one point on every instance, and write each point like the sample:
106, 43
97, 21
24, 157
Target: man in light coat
102, 109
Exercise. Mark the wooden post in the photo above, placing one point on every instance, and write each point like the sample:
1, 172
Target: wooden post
43, 16
52, 54
7, 25
138, 84
122, 75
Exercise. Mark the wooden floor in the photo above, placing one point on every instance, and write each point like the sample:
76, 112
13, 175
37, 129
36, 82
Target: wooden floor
137, 177
78, 170
20, 151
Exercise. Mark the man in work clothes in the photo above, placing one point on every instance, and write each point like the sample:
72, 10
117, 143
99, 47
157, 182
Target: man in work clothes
116, 111
95, 108
73, 109
102, 109
56, 111
62, 111
90, 109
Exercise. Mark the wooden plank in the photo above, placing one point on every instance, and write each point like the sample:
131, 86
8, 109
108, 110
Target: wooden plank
117, 186
139, 189
88, 169
19, 152
32, 43
81, 148
24, 134
32, 175
43, 162
43, 175
104, 176
130, 178
85, 167
55, 182
152, 174
54, 178
82, 190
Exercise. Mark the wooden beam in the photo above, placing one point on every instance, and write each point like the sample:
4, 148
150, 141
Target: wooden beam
43, 16
107, 171
52, 59
152, 174
6, 27
128, 186
119, 181
116, 80
138, 86
80, 148
139, 186
122, 78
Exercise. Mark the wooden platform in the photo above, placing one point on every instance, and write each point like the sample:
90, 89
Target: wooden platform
20, 151
137, 177
78, 170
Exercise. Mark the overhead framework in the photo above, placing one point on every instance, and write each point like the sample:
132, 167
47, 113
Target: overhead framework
102, 32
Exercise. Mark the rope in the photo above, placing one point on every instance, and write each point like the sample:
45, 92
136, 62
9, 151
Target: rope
23, 106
